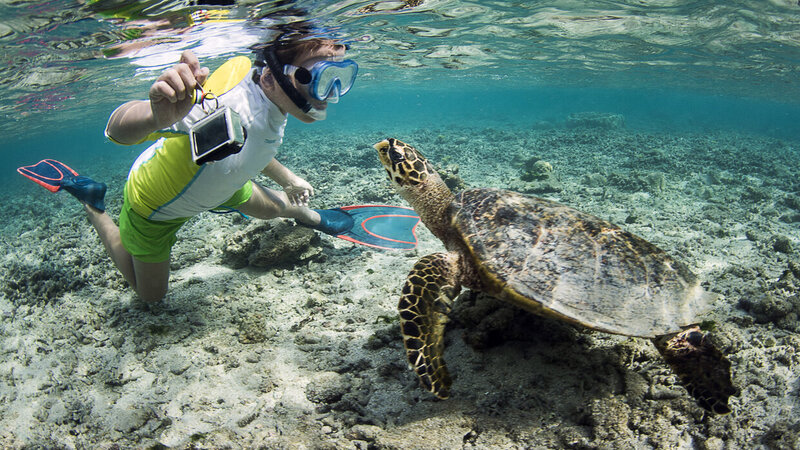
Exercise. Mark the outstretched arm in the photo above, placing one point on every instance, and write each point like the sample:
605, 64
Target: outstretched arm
297, 189
170, 100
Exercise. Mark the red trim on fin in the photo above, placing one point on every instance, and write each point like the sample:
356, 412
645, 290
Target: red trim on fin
356, 241
41, 180
413, 230
51, 161
41, 183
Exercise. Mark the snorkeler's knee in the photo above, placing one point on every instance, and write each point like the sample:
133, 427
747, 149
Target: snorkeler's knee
151, 295
150, 280
265, 204
152, 291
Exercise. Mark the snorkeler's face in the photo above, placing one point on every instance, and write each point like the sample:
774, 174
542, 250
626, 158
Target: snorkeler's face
283, 99
327, 53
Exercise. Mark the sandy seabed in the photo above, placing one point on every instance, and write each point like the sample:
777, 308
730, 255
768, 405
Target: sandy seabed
274, 337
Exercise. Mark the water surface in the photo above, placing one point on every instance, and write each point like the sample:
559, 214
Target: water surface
673, 65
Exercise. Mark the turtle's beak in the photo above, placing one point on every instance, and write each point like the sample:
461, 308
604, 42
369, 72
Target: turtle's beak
383, 152
382, 145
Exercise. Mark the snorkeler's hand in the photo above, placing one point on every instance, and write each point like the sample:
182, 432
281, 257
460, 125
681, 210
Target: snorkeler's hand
172, 94
299, 192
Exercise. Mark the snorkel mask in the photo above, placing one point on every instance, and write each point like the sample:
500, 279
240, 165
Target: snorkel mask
325, 81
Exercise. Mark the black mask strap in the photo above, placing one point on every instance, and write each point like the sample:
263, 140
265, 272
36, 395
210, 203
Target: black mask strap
275, 66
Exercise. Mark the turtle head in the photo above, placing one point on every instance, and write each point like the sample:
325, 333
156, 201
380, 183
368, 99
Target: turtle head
405, 165
418, 183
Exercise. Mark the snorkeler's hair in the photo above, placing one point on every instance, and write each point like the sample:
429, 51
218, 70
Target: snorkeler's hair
277, 54
290, 51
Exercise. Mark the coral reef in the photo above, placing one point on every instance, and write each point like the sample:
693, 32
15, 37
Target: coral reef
449, 174
636, 181
596, 120
780, 303
265, 244
273, 336
26, 284
488, 322
536, 169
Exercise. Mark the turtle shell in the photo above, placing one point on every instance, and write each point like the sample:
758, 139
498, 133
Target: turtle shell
553, 259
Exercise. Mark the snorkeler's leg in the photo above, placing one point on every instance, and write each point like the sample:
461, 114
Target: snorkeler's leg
149, 280
152, 279
266, 203
108, 232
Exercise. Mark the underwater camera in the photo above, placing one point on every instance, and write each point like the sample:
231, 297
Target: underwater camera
216, 136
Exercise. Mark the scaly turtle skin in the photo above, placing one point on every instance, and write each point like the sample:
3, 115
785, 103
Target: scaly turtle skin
552, 260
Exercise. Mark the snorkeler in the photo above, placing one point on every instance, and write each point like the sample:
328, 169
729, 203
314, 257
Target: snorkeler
201, 163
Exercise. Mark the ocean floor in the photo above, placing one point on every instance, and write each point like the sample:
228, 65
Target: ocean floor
272, 336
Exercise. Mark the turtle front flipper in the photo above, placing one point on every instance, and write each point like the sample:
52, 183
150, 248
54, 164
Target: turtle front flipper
427, 297
701, 367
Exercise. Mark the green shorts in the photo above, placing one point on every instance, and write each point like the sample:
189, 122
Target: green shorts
151, 240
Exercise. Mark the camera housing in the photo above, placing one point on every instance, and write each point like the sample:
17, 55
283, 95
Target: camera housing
216, 136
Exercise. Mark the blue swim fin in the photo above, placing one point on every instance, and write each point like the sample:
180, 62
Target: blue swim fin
379, 226
48, 173
54, 175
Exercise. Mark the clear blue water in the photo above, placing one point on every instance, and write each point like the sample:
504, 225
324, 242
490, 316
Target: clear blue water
668, 65
720, 79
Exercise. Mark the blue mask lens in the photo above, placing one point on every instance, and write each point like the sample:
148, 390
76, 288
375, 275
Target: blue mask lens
331, 78
327, 76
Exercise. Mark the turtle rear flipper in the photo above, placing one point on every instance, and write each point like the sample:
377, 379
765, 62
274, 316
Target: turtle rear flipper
427, 295
701, 367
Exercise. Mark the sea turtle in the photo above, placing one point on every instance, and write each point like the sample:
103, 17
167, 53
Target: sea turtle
552, 260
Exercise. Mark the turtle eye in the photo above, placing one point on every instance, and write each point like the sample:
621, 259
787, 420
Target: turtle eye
695, 338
